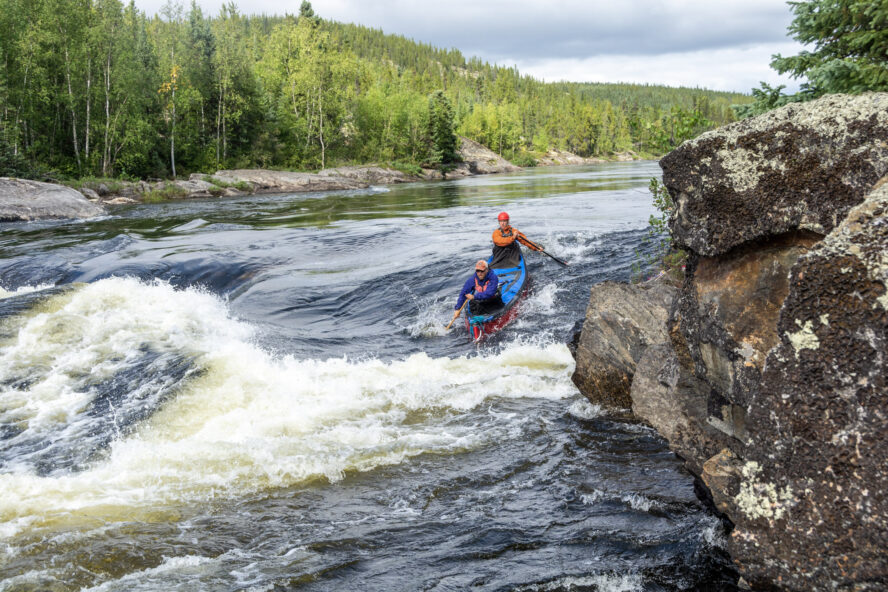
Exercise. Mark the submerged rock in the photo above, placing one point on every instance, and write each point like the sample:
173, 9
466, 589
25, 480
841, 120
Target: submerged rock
26, 200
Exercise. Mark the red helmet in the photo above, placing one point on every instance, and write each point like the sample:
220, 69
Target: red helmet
503, 216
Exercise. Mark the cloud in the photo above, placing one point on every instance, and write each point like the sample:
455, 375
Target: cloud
521, 29
730, 69
722, 44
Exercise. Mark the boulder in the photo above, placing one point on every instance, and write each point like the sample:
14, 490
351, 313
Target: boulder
812, 512
25, 200
772, 383
369, 174
672, 400
800, 167
265, 181
478, 160
621, 321
774, 391
562, 157
195, 187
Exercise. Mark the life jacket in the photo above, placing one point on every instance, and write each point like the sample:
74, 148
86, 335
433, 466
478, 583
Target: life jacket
479, 287
504, 238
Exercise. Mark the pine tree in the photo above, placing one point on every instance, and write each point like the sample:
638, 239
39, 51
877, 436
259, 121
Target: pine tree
442, 140
850, 39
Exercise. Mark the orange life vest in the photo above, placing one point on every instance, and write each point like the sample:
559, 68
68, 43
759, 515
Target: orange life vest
479, 287
504, 238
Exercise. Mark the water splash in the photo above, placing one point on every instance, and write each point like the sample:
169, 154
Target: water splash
245, 420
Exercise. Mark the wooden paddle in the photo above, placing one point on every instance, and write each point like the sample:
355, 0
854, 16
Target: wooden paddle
456, 316
542, 250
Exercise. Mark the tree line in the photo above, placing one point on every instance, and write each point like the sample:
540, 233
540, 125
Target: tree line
98, 88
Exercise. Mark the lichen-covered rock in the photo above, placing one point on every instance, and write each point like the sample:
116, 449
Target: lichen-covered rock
621, 321
22, 200
725, 322
800, 167
812, 512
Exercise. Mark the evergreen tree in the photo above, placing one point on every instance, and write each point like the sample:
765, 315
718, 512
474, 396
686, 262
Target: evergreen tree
850, 39
442, 140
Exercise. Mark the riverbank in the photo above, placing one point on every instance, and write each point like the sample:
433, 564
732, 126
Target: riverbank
475, 159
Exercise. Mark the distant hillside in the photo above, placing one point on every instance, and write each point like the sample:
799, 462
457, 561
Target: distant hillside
121, 93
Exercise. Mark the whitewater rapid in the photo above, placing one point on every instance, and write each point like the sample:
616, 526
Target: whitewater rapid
241, 419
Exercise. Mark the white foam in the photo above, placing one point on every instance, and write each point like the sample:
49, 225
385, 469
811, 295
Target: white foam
601, 583
252, 420
583, 408
4, 293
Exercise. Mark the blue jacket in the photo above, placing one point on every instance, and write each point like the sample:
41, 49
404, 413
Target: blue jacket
491, 281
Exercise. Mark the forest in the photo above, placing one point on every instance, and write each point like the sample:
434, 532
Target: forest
99, 88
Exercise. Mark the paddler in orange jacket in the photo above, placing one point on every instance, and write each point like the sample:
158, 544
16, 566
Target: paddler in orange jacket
506, 252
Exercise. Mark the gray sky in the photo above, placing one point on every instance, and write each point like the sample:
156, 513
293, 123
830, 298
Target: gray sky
717, 44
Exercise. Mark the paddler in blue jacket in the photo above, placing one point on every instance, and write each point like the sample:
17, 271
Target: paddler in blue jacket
481, 287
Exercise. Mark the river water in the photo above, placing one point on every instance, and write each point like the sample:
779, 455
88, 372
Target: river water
259, 394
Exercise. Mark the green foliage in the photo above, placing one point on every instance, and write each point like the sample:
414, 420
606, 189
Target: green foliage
11, 162
850, 55
97, 88
524, 159
442, 142
407, 168
164, 194
664, 256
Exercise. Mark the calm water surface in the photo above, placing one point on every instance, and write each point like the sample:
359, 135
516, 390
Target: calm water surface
258, 394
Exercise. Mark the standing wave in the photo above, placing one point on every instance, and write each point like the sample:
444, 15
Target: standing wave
165, 399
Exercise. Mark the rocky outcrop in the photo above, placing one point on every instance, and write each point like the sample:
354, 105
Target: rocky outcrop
25, 200
773, 383
812, 511
621, 321
563, 158
371, 175
478, 160
801, 167
267, 181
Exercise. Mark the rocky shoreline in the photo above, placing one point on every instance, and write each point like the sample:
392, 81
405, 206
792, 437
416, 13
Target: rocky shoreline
766, 370
89, 200
24, 200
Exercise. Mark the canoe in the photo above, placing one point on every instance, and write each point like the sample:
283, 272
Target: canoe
513, 282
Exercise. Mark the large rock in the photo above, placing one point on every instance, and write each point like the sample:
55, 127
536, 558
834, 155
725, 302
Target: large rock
265, 181
672, 400
725, 322
478, 160
800, 167
621, 321
774, 382
24, 200
369, 174
782, 322
812, 512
